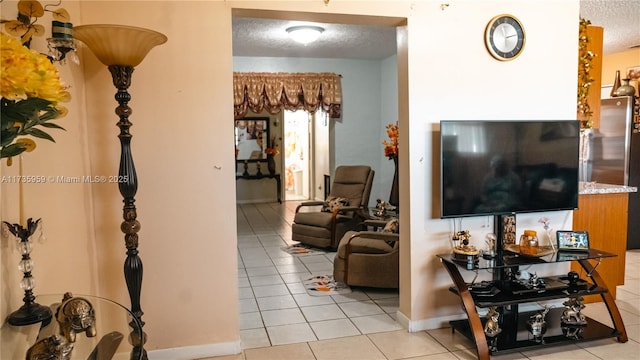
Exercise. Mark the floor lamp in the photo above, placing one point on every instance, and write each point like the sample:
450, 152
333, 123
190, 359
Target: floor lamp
122, 48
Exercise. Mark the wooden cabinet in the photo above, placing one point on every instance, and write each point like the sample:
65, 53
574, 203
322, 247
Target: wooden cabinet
604, 216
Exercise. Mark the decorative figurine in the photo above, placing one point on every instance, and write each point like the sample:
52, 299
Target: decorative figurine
76, 315
490, 240
382, 207
491, 327
537, 325
54, 347
571, 314
572, 331
381, 210
463, 248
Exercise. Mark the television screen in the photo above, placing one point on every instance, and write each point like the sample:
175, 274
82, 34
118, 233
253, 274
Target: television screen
508, 167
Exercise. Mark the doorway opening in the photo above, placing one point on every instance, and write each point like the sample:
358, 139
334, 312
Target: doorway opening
306, 154
296, 157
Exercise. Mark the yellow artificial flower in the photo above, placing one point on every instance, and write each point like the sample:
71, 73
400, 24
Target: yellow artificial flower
26, 74
31, 91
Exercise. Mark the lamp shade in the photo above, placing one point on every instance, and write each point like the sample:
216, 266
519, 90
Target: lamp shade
118, 44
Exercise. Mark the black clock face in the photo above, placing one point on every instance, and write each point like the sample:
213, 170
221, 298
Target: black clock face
504, 37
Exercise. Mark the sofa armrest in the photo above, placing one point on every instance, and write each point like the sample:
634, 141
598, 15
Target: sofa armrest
309, 203
375, 235
375, 223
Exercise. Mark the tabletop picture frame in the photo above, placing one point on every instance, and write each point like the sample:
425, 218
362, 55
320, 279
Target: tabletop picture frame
570, 240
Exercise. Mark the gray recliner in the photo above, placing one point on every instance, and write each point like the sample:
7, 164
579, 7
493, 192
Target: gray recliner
324, 229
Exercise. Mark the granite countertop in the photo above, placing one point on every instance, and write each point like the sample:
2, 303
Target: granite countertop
591, 187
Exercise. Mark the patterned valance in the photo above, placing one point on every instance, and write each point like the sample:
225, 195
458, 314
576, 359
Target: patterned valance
290, 91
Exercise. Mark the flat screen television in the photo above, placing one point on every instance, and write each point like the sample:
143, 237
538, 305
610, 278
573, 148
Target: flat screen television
508, 167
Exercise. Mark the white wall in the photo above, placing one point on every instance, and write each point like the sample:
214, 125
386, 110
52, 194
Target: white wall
63, 260
388, 115
356, 136
454, 77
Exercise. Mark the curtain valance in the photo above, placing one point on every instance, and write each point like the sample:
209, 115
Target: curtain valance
290, 91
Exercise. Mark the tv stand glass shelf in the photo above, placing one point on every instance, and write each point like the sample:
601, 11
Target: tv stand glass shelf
503, 294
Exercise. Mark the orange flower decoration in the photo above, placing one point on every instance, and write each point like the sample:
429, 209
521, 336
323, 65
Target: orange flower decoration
391, 146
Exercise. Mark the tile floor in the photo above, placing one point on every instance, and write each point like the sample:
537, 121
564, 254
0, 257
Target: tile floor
278, 320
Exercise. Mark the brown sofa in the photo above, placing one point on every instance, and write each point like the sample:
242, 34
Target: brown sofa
368, 258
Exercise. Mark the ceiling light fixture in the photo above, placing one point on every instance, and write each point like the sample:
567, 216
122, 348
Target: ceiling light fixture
305, 34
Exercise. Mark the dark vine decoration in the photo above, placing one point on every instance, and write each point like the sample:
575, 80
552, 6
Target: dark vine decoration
585, 57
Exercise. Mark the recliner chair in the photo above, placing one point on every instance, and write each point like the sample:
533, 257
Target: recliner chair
369, 258
324, 228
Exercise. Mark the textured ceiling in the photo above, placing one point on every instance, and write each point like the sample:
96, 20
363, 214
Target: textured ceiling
620, 20
267, 37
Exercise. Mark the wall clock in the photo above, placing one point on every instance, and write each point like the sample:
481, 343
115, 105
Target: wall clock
504, 37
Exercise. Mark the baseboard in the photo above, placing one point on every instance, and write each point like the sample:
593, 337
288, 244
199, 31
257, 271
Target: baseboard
426, 324
196, 351
256, 201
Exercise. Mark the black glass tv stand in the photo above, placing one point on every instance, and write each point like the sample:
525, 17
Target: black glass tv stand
501, 294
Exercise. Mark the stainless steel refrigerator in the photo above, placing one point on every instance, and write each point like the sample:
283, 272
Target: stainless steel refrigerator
614, 156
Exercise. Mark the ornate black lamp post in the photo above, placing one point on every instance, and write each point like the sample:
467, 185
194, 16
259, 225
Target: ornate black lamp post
122, 48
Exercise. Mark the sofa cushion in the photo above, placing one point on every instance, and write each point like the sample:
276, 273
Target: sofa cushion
334, 203
392, 226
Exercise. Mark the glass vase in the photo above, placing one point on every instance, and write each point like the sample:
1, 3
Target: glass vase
271, 164
395, 192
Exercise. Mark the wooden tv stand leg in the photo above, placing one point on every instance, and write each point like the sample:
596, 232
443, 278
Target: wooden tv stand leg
608, 300
470, 308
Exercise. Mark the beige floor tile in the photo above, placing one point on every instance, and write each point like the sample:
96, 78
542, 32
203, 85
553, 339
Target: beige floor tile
250, 320
611, 349
403, 344
450, 340
375, 323
226, 357
361, 308
560, 352
276, 302
254, 338
354, 295
349, 348
289, 334
443, 356
281, 352
331, 329
282, 317
389, 305
322, 312
308, 300
633, 332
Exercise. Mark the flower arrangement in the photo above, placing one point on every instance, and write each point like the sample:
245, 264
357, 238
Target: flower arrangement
391, 146
272, 147
31, 93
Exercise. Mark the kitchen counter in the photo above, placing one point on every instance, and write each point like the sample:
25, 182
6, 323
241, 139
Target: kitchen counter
586, 188
603, 212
